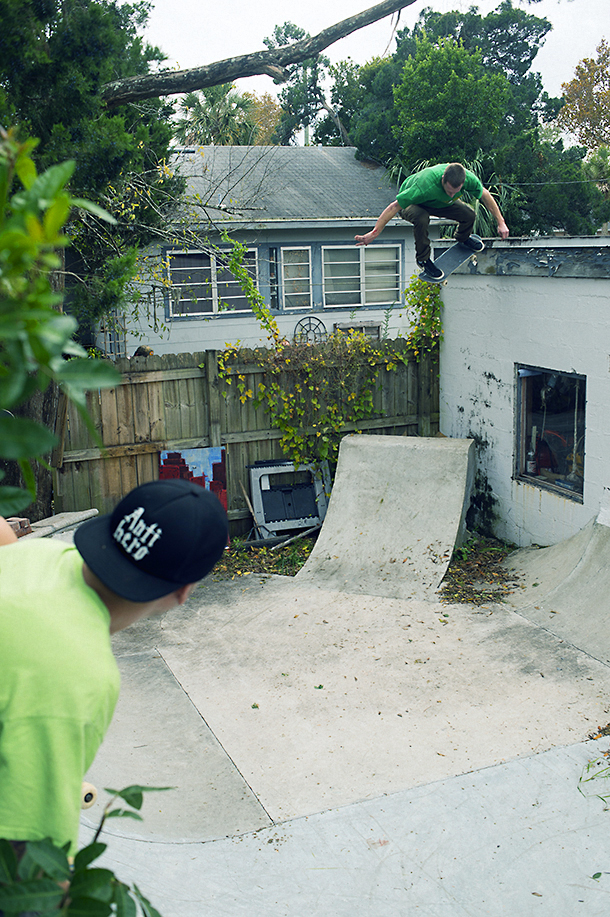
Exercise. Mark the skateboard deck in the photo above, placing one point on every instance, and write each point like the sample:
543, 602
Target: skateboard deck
451, 259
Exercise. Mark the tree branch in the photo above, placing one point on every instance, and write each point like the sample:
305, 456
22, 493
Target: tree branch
271, 62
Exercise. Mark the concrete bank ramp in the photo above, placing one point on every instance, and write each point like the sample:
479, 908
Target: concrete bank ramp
566, 587
396, 512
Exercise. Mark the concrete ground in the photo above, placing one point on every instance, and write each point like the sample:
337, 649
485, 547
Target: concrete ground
356, 755
337, 751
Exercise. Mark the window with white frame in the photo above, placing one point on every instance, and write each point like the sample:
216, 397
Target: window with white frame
551, 429
361, 276
296, 278
202, 284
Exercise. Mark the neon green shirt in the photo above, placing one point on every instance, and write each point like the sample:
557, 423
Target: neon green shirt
59, 684
426, 188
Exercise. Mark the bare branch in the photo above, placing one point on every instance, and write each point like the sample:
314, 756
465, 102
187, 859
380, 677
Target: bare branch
271, 62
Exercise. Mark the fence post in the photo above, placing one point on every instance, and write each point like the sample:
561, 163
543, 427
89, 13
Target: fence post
211, 374
424, 395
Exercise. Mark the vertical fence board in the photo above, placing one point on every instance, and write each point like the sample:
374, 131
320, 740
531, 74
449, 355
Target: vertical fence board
181, 399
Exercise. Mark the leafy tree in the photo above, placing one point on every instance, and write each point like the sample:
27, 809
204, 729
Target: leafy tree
459, 85
35, 338
302, 98
346, 96
506, 39
586, 112
375, 118
448, 106
265, 113
217, 115
597, 168
554, 193
55, 56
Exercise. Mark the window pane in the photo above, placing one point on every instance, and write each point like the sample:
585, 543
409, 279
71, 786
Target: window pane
342, 277
293, 256
381, 275
190, 276
552, 428
230, 294
296, 277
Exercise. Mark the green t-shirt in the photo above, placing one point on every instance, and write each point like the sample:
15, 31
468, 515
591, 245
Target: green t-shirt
59, 684
426, 188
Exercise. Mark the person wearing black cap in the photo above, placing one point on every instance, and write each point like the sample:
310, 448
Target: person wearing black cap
59, 604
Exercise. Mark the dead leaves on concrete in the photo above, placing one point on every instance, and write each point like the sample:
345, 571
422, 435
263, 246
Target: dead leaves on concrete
475, 575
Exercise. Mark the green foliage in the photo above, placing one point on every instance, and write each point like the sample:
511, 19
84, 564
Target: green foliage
313, 391
551, 188
426, 330
346, 97
219, 115
508, 38
448, 105
255, 299
592, 781
373, 116
540, 186
35, 338
44, 880
54, 58
302, 97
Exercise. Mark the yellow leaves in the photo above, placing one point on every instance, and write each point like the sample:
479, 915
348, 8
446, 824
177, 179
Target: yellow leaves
34, 228
586, 112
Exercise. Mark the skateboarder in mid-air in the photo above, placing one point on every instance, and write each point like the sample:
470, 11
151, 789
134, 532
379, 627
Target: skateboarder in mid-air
435, 191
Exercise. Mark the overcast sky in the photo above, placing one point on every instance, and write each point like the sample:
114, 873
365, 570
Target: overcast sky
196, 32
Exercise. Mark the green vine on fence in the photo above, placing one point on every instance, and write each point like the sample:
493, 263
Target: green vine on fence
312, 392
426, 329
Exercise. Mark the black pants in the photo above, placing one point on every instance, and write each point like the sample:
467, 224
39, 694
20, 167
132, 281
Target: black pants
420, 217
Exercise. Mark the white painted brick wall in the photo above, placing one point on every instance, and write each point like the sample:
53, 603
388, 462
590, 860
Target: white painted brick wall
493, 322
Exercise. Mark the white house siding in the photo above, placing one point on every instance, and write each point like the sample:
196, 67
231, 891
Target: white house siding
493, 322
189, 335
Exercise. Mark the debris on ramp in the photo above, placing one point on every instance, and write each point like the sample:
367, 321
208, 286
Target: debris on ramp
396, 512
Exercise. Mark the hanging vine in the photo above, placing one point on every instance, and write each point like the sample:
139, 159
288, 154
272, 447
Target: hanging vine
312, 392
426, 329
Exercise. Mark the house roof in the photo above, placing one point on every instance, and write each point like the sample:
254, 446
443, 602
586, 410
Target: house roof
260, 184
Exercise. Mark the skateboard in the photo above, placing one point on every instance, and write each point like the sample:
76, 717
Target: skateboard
450, 260
88, 796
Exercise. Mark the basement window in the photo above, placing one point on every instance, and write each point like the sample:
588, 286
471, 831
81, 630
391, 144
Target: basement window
551, 429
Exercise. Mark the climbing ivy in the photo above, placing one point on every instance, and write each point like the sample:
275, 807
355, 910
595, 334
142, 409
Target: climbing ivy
312, 392
424, 304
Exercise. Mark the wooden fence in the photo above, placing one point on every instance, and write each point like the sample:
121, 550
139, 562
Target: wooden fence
175, 402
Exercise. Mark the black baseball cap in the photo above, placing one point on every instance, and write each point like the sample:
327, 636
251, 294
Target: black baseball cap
161, 536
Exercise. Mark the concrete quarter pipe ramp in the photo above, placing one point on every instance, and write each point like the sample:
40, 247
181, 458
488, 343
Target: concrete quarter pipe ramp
396, 511
566, 587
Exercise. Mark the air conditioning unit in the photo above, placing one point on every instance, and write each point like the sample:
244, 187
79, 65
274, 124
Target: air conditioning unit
286, 498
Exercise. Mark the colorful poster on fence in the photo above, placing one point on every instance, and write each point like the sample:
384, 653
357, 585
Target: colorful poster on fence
206, 467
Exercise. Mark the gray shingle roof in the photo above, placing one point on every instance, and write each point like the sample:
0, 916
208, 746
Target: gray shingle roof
260, 183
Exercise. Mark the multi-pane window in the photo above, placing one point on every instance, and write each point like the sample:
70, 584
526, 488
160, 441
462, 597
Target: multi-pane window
202, 284
359, 276
296, 277
551, 428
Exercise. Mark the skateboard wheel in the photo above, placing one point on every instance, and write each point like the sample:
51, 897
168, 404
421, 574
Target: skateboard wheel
88, 796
